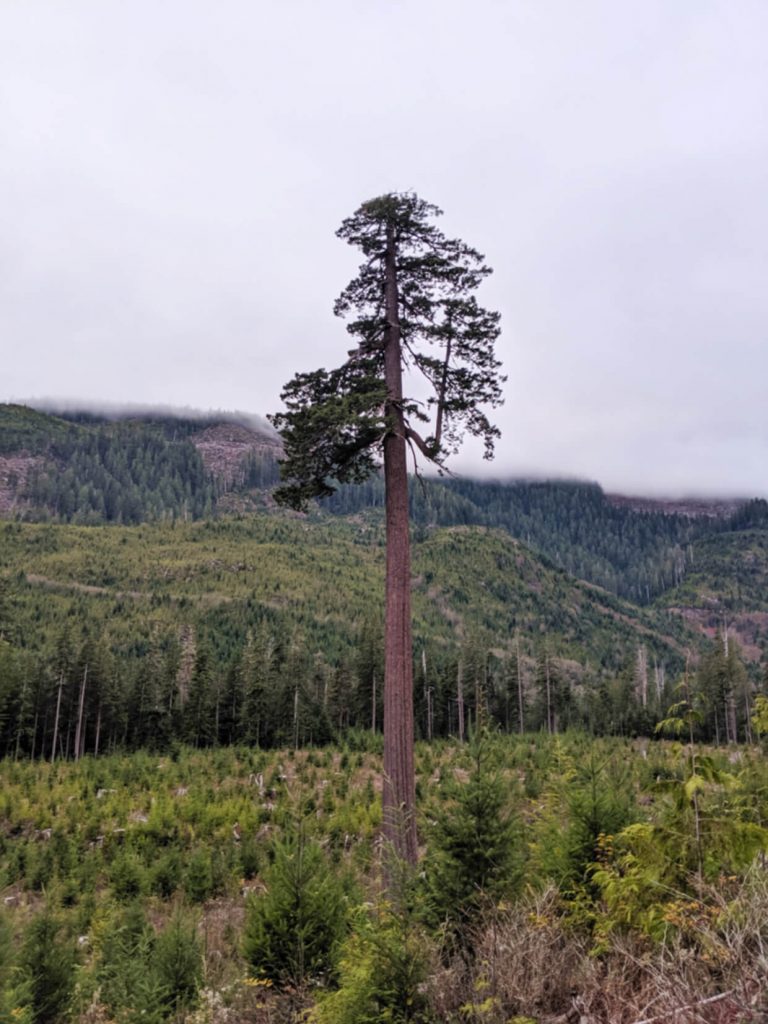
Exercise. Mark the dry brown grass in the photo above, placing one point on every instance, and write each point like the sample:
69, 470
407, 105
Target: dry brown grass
527, 964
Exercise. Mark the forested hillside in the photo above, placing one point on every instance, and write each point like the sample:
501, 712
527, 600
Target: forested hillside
85, 468
268, 628
88, 468
287, 612
163, 576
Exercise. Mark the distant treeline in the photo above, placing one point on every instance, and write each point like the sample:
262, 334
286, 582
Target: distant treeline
84, 698
127, 474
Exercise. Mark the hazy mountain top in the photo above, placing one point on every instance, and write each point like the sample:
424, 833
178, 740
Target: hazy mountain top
692, 508
106, 412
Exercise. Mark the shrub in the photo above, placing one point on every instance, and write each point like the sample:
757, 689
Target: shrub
383, 968
178, 962
129, 985
293, 932
250, 857
166, 874
13, 996
127, 876
198, 880
474, 856
48, 967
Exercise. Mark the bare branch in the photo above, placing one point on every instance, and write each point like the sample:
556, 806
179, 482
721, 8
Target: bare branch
428, 451
682, 1009
416, 470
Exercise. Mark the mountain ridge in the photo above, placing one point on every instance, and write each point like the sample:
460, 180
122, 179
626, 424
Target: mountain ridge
134, 465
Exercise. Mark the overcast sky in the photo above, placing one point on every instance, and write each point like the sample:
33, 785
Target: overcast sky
172, 173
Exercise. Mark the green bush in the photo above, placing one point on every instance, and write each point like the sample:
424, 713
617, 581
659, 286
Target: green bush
474, 855
146, 977
178, 962
47, 963
250, 857
198, 879
127, 876
125, 969
13, 994
383, 967
293, 932
165, 875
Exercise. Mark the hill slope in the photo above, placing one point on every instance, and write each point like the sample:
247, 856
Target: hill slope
321, 579
88, 468
702, 562
84, 467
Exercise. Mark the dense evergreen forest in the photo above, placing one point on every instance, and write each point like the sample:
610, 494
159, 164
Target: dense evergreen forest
267, 629
132, 470
208, 626
637, 555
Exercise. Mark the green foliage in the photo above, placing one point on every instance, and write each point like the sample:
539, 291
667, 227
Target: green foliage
700, 831
25, 429
610, 820
575, 525
384, 964
474, 856
178, 962
198, 878
760, 715
293, 931
590, 801
729, 572
127, 876
47, 963
14, 994
237, 616
166, 874
97, 470
335, 422
144, 976
121, 472
125, 969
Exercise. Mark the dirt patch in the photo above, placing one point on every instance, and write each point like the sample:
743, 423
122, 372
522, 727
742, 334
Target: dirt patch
225, 447
15, 470
209, 599
747, 627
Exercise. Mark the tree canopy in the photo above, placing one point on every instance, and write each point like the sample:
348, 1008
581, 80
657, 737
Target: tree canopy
336, 420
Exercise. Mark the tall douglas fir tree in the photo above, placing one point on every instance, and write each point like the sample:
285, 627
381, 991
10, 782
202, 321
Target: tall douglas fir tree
412, 310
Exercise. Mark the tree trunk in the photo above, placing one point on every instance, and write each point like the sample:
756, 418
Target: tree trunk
98, 732
56, 720
79, 737
520, 708
22, 705
399, 795
373, 704
460, 701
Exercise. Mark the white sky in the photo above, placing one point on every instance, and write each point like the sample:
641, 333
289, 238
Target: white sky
172, 173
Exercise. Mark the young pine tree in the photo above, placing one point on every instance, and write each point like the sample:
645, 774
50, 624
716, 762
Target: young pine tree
475, 855
293, 932
47, 964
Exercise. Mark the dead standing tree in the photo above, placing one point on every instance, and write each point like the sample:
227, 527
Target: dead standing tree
410, 308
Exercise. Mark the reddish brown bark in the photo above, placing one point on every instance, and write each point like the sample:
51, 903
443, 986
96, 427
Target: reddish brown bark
399, 796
